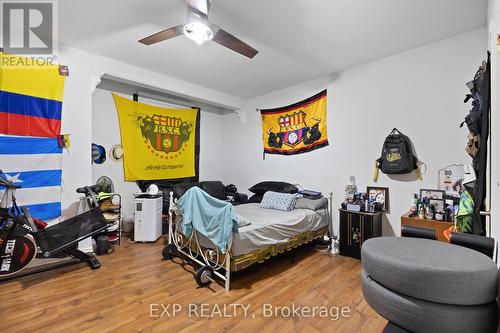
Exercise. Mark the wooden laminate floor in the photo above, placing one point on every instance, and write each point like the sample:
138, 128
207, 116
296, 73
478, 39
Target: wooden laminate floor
134, 283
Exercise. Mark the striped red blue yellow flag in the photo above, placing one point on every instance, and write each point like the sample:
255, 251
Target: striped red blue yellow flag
30, 97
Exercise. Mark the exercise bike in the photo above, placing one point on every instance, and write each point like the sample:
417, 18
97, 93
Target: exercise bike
22, 240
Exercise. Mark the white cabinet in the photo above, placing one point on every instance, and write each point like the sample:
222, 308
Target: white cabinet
147, 220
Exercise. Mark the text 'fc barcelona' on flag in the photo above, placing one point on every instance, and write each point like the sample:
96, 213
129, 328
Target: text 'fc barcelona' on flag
296, 128
34, 164
30, 97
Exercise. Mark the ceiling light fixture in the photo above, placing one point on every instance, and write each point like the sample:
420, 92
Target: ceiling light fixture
199, 29
198, 32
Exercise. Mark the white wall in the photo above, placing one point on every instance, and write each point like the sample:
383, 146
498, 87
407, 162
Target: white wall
410, 89
85, 72
106, 132
420, 92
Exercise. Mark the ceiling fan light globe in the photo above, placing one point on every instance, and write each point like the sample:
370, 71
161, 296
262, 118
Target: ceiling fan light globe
198, 32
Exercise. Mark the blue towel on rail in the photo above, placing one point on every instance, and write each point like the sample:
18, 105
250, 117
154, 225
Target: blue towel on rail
212, 217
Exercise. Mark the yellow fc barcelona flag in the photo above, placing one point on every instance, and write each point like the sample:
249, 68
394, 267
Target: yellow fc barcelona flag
158, 143
296, 128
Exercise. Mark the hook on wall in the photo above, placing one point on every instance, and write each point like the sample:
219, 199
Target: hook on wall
242, 115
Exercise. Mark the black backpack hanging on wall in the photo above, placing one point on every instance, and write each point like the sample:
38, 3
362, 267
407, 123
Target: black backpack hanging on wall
397, 156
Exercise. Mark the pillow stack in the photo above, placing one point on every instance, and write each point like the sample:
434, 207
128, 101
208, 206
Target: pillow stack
261, 188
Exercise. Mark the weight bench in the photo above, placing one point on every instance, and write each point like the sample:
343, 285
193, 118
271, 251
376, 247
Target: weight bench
62, 239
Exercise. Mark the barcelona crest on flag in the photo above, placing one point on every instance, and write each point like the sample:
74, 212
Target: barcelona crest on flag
168, 134
296, 128
292, 128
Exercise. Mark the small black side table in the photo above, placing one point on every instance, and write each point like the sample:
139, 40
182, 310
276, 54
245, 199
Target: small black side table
355, 228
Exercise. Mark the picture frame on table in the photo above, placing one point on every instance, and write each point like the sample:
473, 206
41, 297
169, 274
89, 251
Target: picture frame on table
380, 195
439, 204
450, 179
432, 194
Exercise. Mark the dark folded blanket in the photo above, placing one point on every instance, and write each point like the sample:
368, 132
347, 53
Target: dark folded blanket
313, 204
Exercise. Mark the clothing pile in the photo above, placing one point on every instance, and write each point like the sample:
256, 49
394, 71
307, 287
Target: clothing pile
477, 121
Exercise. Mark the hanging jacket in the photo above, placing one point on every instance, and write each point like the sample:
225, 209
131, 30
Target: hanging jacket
465, 211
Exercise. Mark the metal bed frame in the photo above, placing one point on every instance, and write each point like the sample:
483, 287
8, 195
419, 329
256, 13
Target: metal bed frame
215, 263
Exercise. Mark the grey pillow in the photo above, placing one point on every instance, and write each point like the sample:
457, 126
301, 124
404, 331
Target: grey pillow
313, 204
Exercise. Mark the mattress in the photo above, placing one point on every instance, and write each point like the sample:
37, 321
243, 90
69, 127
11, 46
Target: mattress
269, 226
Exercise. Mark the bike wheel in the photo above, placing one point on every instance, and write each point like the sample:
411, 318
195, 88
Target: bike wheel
18, 252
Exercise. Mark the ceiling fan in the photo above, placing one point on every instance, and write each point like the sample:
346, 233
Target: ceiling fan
199, 29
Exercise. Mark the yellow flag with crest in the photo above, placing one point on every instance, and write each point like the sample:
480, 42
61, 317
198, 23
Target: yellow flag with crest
158, 142
295, 128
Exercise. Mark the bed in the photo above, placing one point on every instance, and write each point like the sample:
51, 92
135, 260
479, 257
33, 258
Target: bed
269, 233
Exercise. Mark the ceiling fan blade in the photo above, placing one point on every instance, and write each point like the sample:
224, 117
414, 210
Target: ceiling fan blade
162, 35
201, 6
224, 38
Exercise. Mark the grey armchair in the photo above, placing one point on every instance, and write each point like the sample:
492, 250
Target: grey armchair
423, 285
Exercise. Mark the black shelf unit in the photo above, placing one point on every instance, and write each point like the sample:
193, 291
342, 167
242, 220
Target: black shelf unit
117, 211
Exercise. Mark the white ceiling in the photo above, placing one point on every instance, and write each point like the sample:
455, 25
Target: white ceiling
298, 40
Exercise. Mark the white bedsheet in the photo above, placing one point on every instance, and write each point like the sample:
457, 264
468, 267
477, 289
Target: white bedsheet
269, 226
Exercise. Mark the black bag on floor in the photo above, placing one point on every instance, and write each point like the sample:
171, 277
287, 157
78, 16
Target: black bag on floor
397, 155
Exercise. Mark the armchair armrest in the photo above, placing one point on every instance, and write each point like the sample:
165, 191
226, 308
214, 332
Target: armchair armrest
418, 232
485, 245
